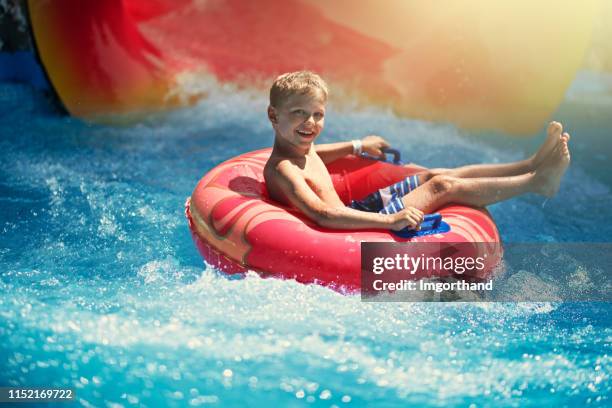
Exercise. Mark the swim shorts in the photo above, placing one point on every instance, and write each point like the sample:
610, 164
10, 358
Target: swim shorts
387, 200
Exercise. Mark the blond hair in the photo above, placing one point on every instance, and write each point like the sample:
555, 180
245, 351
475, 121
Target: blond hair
292, 83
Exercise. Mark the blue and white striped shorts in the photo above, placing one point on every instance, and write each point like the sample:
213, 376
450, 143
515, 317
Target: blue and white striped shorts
387, 200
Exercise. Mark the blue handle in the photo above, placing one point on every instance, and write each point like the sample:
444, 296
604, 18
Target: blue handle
431, 221
432, 224
397, 156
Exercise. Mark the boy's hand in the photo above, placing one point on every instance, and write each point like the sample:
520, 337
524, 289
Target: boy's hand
373, 145
409, 217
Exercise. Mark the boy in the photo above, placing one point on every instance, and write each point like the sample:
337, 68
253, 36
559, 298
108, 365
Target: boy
296, 175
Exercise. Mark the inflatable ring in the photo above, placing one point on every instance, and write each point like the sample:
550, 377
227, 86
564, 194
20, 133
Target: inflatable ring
236, 227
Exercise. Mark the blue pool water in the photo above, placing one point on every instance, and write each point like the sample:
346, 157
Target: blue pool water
103, 290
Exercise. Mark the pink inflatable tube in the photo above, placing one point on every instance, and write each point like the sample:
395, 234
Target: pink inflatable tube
236, 227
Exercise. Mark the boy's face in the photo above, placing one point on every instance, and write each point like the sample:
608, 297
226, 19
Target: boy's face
300, 119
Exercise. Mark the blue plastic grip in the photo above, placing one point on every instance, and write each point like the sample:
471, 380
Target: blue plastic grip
431, 221
397, 156
432, 224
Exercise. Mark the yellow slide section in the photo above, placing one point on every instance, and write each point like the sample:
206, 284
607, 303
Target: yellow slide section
477, 63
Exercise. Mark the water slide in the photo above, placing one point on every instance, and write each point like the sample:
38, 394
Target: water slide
478, 64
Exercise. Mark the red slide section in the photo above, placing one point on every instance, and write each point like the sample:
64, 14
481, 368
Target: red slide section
460, 62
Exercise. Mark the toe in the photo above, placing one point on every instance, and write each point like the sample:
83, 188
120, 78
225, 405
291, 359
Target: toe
555, 127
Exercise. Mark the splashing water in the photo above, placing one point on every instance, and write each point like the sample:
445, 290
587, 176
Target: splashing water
103, 290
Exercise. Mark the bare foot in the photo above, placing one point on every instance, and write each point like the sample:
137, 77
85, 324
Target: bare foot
548, 175
553, 137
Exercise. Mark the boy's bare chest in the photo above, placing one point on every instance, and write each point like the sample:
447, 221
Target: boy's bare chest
316, 175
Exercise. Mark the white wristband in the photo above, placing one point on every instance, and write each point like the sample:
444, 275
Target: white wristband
357, 145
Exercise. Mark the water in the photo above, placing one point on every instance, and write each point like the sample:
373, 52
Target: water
103, 290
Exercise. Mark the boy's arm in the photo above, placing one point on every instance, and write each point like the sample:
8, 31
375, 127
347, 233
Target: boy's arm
332, 151
299, 193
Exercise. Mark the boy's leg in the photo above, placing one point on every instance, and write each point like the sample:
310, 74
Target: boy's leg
505, 169
481, 191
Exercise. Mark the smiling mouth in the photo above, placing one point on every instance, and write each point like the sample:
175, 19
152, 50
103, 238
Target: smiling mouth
305, 133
